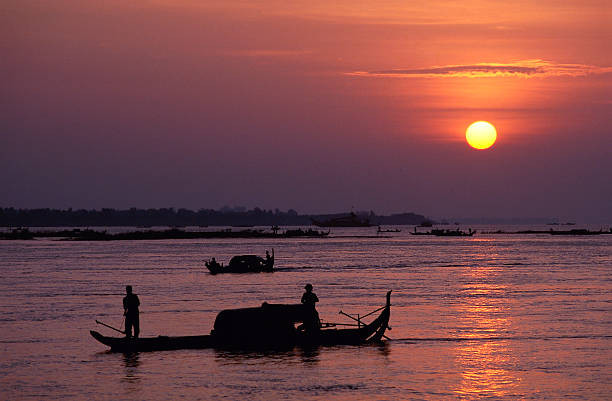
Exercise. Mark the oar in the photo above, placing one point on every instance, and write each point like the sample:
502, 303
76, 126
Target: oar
374, 311
110, 327
357, 319
366, 315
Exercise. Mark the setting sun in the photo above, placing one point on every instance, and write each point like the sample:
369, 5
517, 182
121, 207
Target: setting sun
481, 135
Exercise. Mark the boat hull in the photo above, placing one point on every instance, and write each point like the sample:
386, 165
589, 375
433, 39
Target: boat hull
160, 343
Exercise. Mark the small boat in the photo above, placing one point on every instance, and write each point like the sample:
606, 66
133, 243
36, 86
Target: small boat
306, 233
388, 230
243, 264
267, 326
350, 220
453, 233
18, 233
445, 233
576, 231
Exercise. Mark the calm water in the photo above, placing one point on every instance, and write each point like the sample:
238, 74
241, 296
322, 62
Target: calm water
492, 316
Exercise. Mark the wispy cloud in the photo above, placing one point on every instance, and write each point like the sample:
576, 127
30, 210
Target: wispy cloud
523, 68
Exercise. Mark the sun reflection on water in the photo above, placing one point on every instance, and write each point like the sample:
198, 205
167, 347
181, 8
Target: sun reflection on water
485, 364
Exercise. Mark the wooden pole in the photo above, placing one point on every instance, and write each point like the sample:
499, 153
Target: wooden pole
110, 327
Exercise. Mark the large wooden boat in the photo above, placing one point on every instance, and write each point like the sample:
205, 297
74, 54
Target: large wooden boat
267, 326
243, 264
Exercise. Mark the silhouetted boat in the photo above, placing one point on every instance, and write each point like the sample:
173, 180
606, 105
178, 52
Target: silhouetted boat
18, 233
243, 264
576, 231
453, 233
350, 220
306, 233
389, 230
445, 233
267, 326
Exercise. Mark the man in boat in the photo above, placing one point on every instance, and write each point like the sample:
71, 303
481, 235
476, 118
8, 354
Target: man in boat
131, 313
309, 299
269, 259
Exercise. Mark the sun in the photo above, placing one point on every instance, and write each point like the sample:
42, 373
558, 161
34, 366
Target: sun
481, 135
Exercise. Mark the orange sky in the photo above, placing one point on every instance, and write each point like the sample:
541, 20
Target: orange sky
150, 103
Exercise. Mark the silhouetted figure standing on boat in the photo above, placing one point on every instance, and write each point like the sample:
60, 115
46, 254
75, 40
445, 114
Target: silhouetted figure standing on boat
131, 313
309, 299
269, 259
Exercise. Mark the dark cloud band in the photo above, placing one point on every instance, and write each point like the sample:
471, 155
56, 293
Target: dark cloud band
526, 68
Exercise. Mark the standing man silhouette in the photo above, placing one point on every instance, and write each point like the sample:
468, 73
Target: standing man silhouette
309, 299
131, 313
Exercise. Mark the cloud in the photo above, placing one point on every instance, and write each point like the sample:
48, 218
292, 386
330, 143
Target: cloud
524, 68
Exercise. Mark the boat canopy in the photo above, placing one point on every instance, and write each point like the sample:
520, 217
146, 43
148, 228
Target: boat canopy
246, 259
270, 321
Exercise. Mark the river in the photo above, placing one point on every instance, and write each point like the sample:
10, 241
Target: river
490, 316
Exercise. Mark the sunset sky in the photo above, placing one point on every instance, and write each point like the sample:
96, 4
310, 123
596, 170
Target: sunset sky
313, 105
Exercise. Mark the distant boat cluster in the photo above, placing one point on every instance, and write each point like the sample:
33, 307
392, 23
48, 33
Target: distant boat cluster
173, 233
578, 231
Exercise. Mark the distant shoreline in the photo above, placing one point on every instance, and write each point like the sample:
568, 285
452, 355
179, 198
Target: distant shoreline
172, 233
170, 217
77, 234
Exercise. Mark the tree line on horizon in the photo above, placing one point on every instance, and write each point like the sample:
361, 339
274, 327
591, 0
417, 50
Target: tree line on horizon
134, 217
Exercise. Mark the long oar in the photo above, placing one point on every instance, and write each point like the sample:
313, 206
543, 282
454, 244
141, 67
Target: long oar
374, 311
110, 327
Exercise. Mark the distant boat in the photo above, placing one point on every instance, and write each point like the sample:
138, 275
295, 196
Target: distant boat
306, 233
389, 230
576, 231
350, 220
445, 233
18, 233
453, 233
243, 264
263, 327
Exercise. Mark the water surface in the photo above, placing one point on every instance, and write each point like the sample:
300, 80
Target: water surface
491, 316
